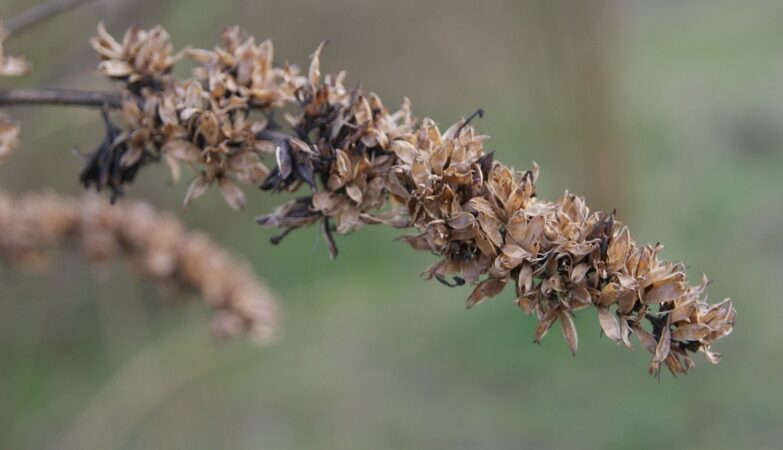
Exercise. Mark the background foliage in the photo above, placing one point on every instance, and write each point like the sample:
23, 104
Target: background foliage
670, 112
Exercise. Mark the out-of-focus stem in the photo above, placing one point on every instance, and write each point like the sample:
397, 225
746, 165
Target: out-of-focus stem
60, 97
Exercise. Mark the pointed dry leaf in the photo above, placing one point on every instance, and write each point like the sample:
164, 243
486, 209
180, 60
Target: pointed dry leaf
645, 338
487, 288
196, 189
569, 331
663, 346
618, 249
354, 192
578, 273
608, 324
404, 150
182, 150
314, 74
231, 193
543, 325
609, 294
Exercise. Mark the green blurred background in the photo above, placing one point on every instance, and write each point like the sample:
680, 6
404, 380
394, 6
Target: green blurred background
671, 112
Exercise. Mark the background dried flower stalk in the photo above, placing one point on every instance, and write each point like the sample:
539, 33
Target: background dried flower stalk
366, 165
157, 245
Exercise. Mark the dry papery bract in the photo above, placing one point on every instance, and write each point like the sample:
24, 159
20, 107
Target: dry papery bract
244, 119
156, 244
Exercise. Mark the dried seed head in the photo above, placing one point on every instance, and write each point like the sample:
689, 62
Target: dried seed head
142, 56
363, 164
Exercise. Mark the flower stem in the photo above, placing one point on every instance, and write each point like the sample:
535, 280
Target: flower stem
60, 97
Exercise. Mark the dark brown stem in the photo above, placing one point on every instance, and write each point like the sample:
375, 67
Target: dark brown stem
71, 97
40, 13
60, 97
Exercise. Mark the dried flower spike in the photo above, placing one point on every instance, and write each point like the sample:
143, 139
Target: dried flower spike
360, 163
157, 245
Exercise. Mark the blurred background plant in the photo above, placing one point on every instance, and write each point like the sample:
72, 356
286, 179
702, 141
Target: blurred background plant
667, 112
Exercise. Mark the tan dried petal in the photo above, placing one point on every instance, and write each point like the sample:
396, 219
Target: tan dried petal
618, 249
580, 297
609, 294
182, 150
114, 68
231, 193
663, 346
569, 331
664, 292
314, 74
209, 128
608, 323
404, 150
487, 288
645, 338
690, 332
196, 189
545, 324
578, 273
354, 192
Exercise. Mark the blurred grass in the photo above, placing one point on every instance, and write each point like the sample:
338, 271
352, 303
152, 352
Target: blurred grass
373, 356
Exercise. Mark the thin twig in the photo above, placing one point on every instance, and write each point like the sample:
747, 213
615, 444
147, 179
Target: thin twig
40, 13
62, 97
71, 97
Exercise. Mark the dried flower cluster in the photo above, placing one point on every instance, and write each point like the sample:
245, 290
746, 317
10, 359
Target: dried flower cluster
156, 243
484, 218
363, 164
366, 165
204, 122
